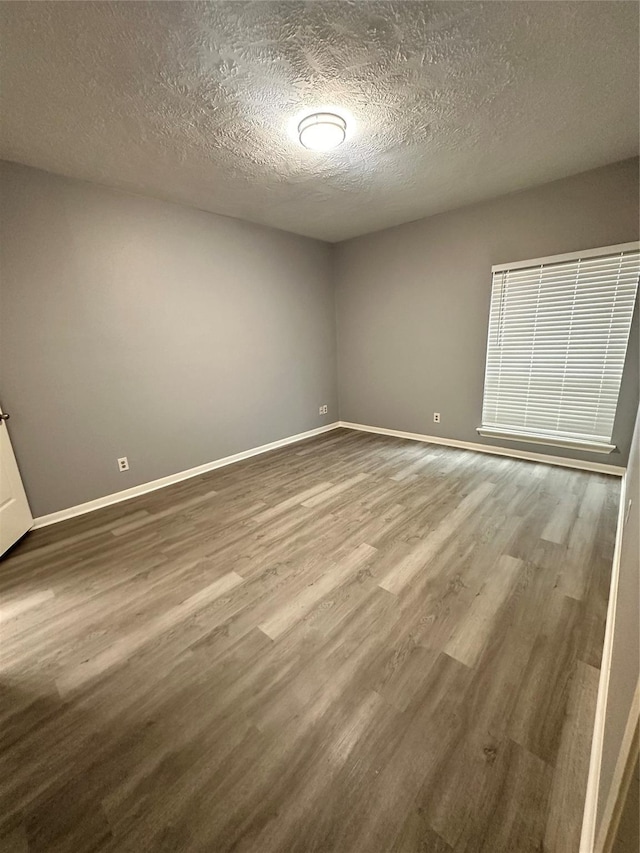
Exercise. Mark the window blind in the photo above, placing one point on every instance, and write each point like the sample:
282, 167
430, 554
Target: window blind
558, 335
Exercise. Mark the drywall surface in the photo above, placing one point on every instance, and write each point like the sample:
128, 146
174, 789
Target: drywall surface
413, 303
134, 327
625, 655
448, 103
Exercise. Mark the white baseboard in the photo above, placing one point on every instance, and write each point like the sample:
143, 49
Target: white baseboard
588, 834
622, 776
562, 461
143, 488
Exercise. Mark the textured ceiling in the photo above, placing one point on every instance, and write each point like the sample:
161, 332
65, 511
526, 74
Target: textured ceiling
450, 102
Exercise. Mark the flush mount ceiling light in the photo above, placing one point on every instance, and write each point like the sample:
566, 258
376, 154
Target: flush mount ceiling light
322, 131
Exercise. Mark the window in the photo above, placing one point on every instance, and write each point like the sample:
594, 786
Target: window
558, 335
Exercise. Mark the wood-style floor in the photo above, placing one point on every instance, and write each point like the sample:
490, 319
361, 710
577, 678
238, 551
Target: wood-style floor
356, 644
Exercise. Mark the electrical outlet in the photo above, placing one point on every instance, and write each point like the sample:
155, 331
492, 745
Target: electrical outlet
123, 463
436, 417
323, 410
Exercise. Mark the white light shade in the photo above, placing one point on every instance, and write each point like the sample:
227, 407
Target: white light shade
322, 131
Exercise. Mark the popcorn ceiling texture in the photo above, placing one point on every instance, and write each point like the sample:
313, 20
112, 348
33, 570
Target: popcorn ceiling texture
191, 102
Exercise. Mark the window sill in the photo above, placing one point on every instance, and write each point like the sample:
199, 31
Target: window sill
552, 441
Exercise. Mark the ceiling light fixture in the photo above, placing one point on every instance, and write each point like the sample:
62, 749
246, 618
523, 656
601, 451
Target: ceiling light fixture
322, 131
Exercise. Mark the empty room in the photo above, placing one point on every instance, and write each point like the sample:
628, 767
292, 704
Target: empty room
319, 431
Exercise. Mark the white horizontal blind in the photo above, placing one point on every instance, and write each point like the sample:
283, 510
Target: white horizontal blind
558, 335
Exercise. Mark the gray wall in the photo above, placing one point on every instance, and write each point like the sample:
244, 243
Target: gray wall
625, 656
413, 303
135, 327
139, 328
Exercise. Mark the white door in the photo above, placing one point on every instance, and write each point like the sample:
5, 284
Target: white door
15, 515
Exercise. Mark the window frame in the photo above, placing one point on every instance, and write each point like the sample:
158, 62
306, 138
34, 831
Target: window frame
533, 437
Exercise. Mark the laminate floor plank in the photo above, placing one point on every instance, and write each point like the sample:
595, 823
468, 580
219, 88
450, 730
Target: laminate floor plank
356, 644
14, 841
538, 718
403, 573
470, 635
121, 649
572, 762
583, 542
